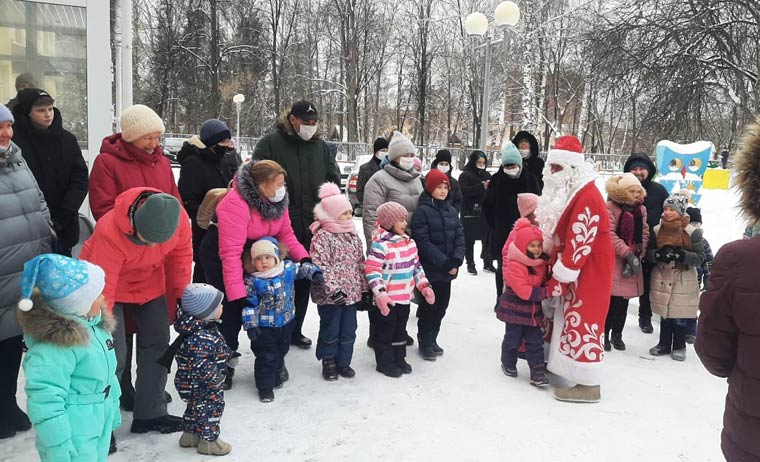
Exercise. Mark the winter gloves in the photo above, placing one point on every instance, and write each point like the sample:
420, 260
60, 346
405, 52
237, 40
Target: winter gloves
338, 298
310, 271
366, 303
667, 254
632, 265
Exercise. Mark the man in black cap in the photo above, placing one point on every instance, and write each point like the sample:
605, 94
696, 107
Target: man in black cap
297, 147
644, 169
379, 151
54, 157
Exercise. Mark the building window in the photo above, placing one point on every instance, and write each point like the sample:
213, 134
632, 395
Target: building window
49, 42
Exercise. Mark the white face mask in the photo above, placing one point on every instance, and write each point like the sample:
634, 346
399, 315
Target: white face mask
481, 167
381, 154
513, 172
406, 163
279, 194
443, 168
525, 153
306, 132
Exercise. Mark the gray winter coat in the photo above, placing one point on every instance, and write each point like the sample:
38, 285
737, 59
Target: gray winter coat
25, 233
389, 185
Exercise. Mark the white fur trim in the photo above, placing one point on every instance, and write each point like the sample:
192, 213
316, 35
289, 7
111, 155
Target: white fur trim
588, 374
562, 273
560, 156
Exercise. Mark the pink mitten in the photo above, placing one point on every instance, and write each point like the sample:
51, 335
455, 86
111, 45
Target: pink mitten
384, 303
427, 292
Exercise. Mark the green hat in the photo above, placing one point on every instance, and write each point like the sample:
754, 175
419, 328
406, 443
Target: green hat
157, 218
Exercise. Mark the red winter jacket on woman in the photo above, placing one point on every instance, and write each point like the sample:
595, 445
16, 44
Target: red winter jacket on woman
121, 166
134, 272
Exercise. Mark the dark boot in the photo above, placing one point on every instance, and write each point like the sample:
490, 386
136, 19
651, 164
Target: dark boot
228, 379
112, 447
283, 376
164, 424
617, 342
471, 269
437, 348
488, 267
538, 375
127, 399
399, 354
646, 326
19, 419
426, 347
301, 341
385, 363
329, 370
347, 372
409, 340
607, 344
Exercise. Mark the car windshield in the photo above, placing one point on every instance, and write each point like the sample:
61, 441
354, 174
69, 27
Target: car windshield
173, 142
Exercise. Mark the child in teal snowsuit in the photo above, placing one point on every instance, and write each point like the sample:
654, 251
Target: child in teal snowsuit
70, 368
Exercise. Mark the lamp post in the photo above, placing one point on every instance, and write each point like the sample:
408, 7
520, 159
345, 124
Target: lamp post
506, 14
238, 100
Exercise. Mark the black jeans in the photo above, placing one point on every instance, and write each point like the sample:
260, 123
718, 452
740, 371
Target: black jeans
430, 316
616, 316
270, 347
673, 334
10, 362
645, 308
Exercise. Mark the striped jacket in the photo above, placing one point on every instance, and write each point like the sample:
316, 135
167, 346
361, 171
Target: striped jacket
520, 303
394, 267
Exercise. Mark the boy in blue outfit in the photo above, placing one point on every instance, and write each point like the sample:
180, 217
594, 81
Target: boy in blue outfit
268, 309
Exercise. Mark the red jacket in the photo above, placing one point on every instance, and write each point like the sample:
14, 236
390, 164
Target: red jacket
134, 272
121, 166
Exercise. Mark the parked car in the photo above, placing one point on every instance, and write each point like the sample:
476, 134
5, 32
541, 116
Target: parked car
353, 177
345, 171
172, 147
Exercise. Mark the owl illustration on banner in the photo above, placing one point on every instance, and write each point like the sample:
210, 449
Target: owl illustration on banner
681, 166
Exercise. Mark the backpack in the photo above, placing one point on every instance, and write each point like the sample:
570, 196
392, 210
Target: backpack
207, 209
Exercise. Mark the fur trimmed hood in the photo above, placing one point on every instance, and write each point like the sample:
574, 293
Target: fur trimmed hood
747, 166
286, 128
617, 193
251, 195
46, 326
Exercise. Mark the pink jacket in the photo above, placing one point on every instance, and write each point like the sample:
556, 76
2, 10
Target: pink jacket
633, 286
242, 215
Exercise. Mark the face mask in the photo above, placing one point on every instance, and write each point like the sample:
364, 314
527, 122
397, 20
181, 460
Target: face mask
525, 153
481, 168
279, 194
443, 168
406, 163
306, 132
380, 155
513, 172
220, 151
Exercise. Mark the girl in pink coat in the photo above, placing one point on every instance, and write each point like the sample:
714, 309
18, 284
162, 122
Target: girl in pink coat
630, 235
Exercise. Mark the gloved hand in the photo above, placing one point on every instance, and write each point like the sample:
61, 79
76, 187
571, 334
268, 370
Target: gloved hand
366, 303
554, 288
429, 295
310, 271
384, 303
64, 452
663, 254
679, 255
634, 263
253, 333
338, 298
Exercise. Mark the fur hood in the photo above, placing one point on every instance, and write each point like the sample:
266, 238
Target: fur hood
616, 193
250, 194
46, 326
286, 128
747, 166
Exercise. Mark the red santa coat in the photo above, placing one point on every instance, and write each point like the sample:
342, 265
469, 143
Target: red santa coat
583, 257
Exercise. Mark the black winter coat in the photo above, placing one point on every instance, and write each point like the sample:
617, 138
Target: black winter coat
473, 192
365, 173
500, 204
439, 237
455, 191
54, 157
656, 193
534, 163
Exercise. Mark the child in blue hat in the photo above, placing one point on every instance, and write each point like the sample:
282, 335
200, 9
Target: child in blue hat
70, 368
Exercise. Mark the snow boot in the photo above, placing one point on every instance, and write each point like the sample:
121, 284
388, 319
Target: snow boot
112, 446
488, 267
607, 344
617, 342
426, 347
284, 375
538, 376
471, 269
329, 370
189, 440
214, 448
346, 372
646, 326
437, 348
691, 339
301, 341
228, 378
579, 394
409, 340
509, 371
163, 424
399, 354
127, 398
659, 350
386, 364
266, 396
19, 419
679, 355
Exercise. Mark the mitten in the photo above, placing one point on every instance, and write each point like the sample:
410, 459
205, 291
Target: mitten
384, 303
310, 271
429, 295
338, 298
662, 254
633, 262
64, 452
679, 255
627, 270
366, 302
554, 288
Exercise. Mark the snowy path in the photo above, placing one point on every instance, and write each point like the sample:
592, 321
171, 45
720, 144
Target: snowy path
462, 407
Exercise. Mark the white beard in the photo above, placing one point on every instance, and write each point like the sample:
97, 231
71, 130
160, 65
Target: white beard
559, 189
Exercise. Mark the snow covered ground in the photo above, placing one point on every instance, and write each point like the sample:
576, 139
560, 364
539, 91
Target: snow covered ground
461, 407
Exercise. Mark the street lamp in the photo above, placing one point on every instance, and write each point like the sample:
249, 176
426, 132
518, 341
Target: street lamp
506, 14
238, 100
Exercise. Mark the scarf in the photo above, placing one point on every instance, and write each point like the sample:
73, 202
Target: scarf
672, 233
631, 226
271, 272
334, 226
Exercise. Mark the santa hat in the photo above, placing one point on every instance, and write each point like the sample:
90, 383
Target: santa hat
527, 203
332, 203
525, 233
435, 178
266, 246
389, 213
68, 286
566, 151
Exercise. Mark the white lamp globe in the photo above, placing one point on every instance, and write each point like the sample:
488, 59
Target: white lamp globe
476, 24
238, 99
507, 14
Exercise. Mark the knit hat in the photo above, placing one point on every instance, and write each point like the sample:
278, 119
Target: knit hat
389, 213
201, 300
444, 155
5, 114
68, 286
380, 143
332, 203
435, 178
677, 202
527, 203
628, 179
137, 121
695, 214
566, 151
510, 155
266, 246
214, 131
525, 233
399, 146
640, 163
27, 98
156, 219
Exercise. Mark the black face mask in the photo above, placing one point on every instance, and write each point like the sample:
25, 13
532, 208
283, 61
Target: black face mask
220, 151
